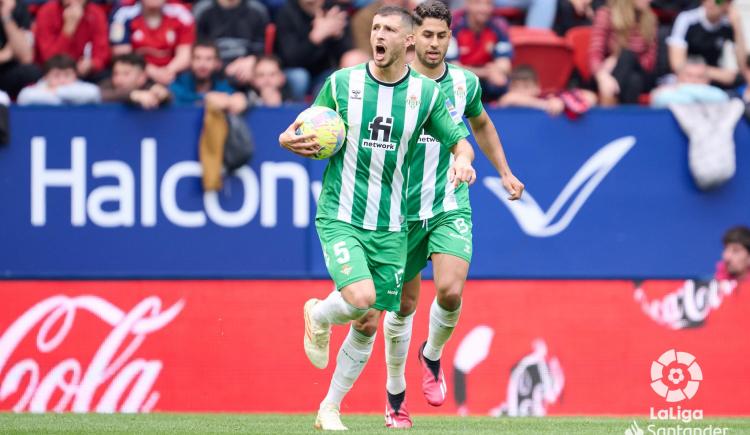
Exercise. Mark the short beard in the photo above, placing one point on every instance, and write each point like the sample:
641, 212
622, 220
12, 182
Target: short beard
387, 62
423, 60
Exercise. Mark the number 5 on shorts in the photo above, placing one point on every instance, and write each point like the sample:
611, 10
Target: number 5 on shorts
341, 252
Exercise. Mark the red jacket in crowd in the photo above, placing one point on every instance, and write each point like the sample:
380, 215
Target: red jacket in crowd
91, 31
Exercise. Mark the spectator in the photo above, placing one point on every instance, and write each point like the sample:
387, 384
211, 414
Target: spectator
355, 57
310, 41
539, 13
483, 47
623, 50
735, 259
130, 84
703, 32
692, 87
16, 51
162, 33
60, 85
362, 22
574, 13
239, 29
76, 28
203, 83
524, 91
268, 82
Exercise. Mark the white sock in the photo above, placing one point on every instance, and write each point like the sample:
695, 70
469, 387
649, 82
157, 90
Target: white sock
442, 323
334, 309
352, 357
397, 333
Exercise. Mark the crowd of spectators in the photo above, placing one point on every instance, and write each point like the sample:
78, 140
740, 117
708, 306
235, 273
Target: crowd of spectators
237, 53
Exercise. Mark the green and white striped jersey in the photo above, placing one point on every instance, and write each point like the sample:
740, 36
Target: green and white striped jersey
364, 183
429, 192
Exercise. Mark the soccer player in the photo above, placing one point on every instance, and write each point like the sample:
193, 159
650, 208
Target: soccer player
361, 217
439, 220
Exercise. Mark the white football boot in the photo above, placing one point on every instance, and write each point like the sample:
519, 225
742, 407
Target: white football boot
329, 418
317, 338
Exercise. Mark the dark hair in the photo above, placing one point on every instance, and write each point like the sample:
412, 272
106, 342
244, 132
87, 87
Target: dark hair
269, 58
433, 9
206, 43
524, 72
739, 234
406, 16
59, 61
133, 59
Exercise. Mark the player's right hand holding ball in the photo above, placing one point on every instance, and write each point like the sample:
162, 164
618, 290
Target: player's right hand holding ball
304, 145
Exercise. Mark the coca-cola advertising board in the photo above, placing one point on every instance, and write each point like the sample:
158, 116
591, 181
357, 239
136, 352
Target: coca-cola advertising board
521, 348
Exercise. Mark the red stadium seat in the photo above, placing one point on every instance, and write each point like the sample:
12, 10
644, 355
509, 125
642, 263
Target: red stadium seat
270, 38
579, 39
513, 15
547, 53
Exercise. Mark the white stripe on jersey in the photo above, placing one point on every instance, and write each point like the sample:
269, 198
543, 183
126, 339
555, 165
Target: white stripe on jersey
410, 124
333, 91
449, 202
459, 81
354, 119
429, 175
377, 157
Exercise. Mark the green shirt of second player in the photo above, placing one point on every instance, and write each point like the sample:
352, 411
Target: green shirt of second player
429, 191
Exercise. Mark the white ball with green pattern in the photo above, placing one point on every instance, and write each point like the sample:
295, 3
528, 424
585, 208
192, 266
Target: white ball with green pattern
328, 127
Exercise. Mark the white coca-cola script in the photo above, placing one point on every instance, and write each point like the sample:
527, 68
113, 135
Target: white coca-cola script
112, 364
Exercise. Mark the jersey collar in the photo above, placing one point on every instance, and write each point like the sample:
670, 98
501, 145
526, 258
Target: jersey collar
444, 74
396, 83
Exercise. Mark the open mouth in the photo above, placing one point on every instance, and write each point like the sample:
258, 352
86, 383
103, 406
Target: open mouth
379, 52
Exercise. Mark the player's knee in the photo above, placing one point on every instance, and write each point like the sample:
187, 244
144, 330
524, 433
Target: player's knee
408, 305
362, 300
450, 297
367, 325
359, 296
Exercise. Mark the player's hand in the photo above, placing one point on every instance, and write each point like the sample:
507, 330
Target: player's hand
304, 145
461, 172
513, 186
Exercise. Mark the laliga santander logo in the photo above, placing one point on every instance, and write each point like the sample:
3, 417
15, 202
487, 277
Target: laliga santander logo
676, 376
73, 384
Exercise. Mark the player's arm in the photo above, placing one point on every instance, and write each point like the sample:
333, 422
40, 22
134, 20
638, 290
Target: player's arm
489, 142
307, 145
446, 126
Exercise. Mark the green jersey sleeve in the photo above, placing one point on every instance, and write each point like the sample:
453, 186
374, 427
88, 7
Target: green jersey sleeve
445, 123
325, 97
474, 102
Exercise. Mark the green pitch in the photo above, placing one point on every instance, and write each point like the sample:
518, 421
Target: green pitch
366, 424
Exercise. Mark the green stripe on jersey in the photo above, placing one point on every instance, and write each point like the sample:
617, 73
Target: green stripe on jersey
364, 183
429, 192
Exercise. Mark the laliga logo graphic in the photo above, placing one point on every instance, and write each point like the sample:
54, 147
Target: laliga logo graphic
539, 223
72, 385
675, 376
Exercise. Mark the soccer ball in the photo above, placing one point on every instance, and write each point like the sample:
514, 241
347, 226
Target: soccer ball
328, 127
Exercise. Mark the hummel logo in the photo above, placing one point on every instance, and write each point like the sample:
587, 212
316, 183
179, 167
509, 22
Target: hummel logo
356, 94
538, 223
